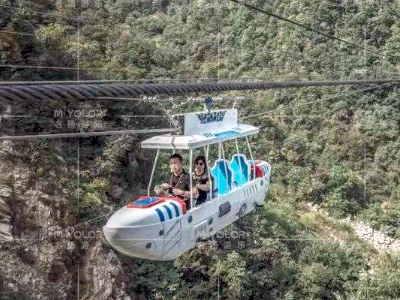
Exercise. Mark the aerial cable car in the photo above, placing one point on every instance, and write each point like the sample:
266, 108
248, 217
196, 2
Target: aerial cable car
162, 227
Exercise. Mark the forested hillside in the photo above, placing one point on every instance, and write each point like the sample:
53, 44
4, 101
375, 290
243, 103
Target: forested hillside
337, 148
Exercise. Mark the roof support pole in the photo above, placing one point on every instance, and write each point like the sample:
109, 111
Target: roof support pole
240, 161
252, 158
237, 146
208, 172
152, 172
191, 177
225, 167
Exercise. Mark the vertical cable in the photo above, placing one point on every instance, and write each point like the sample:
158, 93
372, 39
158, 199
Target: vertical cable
78, 50
78, 179
365, 50
218, 38
191, 177
78, 172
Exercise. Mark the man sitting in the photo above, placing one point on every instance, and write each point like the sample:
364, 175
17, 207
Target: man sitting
179, 183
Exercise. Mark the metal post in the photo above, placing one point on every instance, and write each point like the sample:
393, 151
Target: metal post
226, 169
191, 178
237, 146
208, 172
152, 173
240, 161
252, 158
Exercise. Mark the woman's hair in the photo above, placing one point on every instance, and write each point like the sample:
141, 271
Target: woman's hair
202, 158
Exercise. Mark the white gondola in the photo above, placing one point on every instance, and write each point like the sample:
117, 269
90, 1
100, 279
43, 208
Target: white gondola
160, 228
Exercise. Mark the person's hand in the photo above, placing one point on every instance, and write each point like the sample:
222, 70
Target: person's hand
195, 192
177, 192
198, 187
165, 186
160, 191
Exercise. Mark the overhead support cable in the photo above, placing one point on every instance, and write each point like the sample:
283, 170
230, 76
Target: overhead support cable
45, 67
167, 80
63, 92
17, 33
47, 14
331, 37
84, 134
390, 7
315, 101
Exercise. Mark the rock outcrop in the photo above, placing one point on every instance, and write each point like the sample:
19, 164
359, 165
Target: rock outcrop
41, 255
379, 240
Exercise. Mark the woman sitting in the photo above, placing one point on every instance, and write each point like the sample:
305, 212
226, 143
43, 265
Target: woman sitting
201, 180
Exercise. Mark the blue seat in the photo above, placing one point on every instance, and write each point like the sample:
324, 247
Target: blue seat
223, 175
241, 169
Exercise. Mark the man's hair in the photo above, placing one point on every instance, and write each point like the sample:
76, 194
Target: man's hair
176, 155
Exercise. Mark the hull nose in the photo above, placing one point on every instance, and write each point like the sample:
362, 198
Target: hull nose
135, 232
127, 242
150, 232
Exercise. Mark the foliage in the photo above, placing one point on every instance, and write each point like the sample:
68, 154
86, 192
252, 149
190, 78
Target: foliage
382, 281
334, 146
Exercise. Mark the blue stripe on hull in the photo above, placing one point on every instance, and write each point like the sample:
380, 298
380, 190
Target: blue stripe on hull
176, 208
168, 211
160, 214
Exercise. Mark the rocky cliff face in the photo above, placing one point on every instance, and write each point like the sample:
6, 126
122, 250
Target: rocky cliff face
377, 239
41, 255
5, 227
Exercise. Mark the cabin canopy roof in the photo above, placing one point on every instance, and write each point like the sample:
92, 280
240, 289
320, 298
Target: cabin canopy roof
187, 142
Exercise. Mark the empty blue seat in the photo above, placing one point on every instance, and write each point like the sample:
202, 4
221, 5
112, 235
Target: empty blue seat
241, 169
223, 175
